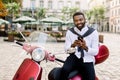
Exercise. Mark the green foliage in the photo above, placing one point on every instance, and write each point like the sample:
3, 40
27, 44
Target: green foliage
72, 11
12, 32
15, 34
56, 34
13, 9
41, 13
27, 13
68, 12
8, 1
89, 14
96, 13
65, 10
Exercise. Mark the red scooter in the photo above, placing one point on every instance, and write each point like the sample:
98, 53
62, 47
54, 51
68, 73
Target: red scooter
30, 69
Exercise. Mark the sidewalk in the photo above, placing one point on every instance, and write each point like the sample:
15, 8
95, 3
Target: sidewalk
12, 56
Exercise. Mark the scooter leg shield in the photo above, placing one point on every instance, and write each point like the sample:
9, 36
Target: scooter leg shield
29, 70
54, 74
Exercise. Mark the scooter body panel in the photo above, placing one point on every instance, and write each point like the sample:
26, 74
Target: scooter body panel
77, 77
102, 54
28, 70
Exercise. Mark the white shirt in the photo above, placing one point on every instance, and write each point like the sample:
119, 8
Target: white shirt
91, 42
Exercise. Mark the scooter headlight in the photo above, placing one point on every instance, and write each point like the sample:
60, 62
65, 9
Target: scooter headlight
38, 54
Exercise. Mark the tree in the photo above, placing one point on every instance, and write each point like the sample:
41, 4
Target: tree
101, 11
65, 11
11, 1
13, 9
68, 12
89, 14
73, 10
96, 15
41, 13
3, 11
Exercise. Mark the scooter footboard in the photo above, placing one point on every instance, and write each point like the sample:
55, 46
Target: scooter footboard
28, 70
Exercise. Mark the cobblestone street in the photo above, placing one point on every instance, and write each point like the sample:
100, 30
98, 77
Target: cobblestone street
11, 56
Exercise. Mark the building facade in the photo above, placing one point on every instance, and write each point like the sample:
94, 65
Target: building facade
53, 6
115, 16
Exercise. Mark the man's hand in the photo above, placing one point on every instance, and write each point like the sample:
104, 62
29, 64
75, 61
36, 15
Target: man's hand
80, 43
75, 43
83, 45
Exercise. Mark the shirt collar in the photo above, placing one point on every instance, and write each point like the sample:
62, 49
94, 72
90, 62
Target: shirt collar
83, 30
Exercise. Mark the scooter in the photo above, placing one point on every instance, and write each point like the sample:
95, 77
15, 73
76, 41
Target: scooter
30, 69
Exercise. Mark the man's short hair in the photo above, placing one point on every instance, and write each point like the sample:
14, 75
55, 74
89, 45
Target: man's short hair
78, 13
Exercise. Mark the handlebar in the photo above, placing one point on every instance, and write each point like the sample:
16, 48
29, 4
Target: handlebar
59, 60
18, 43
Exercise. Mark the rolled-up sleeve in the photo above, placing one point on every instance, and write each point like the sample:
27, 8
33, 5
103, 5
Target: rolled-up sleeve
93, 48
67, 40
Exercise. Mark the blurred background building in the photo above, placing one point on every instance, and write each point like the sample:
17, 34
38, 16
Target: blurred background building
104, 15
54, 7
115, 16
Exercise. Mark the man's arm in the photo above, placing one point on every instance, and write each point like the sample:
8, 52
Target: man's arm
93, 49
68, 41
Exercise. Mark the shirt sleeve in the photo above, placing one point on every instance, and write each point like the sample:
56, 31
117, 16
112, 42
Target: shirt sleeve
67, 41
93, 49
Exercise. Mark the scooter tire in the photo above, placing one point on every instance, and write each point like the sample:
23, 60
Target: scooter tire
54, 74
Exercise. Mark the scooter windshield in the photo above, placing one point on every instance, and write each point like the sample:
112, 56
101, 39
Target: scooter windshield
42, 39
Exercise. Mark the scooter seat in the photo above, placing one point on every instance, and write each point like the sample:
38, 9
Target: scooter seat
72, 74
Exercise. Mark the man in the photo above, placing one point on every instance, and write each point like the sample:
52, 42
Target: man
89, 45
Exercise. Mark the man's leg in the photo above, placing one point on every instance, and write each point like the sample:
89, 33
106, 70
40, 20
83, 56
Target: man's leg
68, 67
89, 72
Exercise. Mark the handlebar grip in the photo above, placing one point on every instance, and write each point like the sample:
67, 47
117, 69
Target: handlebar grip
60, 60
18, 43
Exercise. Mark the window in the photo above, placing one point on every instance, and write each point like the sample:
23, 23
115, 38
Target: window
77, 4
119, 11
60, 4
112, 3
112, 13
41, 3
116, 12
32, 4
69, 4
50, 4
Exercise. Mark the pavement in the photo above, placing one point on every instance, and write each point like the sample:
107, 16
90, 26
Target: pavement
11, 56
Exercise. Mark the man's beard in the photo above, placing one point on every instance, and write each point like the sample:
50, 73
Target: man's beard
80, 26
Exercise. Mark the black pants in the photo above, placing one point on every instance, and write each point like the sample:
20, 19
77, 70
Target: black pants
73, 63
